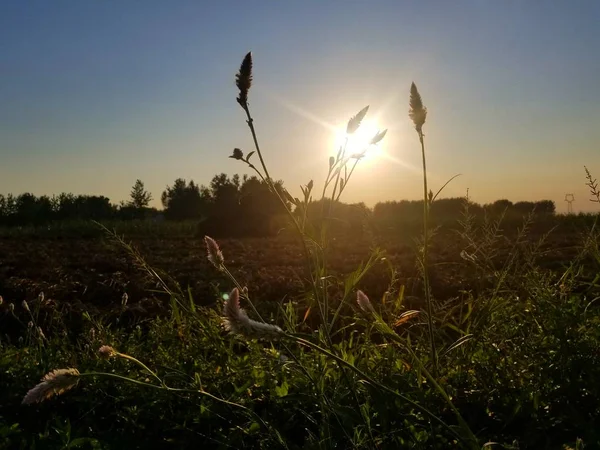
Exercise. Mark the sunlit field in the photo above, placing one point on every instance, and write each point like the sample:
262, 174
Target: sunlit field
303, 322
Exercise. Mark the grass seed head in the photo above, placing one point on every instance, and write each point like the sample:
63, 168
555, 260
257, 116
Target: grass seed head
106, 351
364, 303
355, 121
237, 154
215, 256
378, 137
237, 321
54, 383
592, 183
243, 80
417, 112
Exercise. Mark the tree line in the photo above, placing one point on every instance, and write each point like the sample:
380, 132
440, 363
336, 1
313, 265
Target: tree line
239, 206
232, 206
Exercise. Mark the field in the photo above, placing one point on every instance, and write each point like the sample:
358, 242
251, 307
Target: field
517, 335
82, 266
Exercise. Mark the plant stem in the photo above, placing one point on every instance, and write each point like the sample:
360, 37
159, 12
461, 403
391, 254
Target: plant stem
428, 300
191, 391
250, 122
142, 365
271, 184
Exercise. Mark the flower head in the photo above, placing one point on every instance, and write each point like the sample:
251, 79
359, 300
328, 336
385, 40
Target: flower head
237, 154
237, 321
215, 256
106, 351
364, 303
53, 383
355, 121
378, 137
417, 112
25, 306
243, 80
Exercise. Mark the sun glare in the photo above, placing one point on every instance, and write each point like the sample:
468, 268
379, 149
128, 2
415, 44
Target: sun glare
360, 141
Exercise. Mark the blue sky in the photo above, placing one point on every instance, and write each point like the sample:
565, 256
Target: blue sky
94, 94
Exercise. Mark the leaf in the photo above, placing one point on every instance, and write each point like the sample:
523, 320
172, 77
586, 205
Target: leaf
282, 390
254, 428
400, 298
249, 155
290, 198
331, 162
442, 188
405, 317
306, 314
191, 300
460, 341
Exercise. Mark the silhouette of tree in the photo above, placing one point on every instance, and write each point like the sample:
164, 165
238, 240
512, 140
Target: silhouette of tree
499, 206
545, 207
243, 207
260, 207
185, 201
140, 197
93, 207
66, 207
33, 210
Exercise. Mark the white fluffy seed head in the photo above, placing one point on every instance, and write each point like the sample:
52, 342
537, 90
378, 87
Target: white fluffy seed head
54, 383
364, 303
215, 256
106, 351
237, 321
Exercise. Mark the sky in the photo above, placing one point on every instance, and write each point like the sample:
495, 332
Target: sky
96, 94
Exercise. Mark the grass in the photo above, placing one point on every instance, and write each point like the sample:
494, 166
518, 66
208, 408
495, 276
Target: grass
359, 345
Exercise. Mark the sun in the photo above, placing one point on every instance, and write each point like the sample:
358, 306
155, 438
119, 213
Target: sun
359, 143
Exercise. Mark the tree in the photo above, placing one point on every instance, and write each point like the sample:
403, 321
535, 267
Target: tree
140, 197
243, 207
185, 200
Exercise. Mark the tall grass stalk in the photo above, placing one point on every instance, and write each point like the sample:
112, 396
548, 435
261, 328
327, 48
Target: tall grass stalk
418, 114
